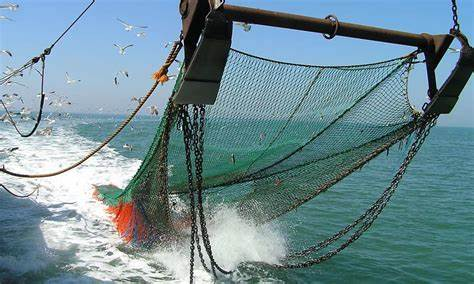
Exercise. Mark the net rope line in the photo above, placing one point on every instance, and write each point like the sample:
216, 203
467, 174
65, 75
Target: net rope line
160, 77
30, 64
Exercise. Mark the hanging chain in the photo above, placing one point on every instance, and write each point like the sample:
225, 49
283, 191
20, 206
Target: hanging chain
187, 136
454, 8
373, 212
193, 133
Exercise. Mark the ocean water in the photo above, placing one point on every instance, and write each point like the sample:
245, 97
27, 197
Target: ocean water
62, 234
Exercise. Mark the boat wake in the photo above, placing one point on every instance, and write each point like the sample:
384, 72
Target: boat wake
63, 233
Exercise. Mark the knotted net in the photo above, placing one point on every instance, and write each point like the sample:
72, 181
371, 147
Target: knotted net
277, 136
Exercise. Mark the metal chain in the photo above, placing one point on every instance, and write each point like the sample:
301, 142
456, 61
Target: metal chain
373, 212
187, 136
193, 133
454, 8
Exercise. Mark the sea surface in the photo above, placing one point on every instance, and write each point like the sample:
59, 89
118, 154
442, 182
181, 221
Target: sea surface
62, 234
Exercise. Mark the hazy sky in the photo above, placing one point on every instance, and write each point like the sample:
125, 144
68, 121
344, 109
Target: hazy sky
87, 52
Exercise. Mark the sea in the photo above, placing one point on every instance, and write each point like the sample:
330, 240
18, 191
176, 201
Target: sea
61, 234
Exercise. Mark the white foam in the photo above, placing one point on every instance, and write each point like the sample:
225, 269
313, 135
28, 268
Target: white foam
77, 231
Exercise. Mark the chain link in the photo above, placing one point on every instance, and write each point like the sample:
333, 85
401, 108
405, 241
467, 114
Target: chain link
193, 133
454, 8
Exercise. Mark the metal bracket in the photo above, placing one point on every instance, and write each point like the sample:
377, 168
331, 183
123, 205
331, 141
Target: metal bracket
203, 75
445, 99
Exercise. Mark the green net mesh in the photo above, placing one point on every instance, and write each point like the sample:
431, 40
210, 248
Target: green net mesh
278, 135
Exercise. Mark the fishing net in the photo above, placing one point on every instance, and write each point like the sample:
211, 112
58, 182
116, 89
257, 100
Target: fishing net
278, 135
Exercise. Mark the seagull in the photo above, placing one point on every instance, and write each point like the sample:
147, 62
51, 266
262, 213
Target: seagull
123, 72
245, 26
262, 136
60, 102
50, 120
11, 97
153, 110
11, 7
47, 131
168, 44
7, 52
128, 147
122, 49
138, 100
71, 81
25, 113
141, 34
10, 82
129, 27
454, 50
5, 18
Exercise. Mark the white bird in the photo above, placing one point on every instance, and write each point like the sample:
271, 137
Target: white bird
25, 113
5, 18
71, 81
50, 120
153, 110
7, 52
138, 100
141, 34
128, 147
11, 82
124, 73
168, 44
245, 26
12, 97
60, 102
47, 131
122, 49
129, 27
454, 50
11, 7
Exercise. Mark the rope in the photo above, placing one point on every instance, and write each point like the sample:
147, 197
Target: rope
30, 64
160, 77
18, 195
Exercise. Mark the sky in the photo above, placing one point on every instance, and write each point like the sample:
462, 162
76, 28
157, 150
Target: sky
87, 52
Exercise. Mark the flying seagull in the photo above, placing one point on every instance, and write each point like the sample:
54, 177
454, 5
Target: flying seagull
153, 110
123, 72
122, 49
10, 82
6, 52
128, 147
138, 100
129, 27
245, 26
11, 97
5, 18
141, 34
11, 7
71, 81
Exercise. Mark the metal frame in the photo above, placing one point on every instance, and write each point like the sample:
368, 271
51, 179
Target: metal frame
194, 28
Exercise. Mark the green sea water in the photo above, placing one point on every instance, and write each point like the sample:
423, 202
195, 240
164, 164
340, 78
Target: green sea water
426, 233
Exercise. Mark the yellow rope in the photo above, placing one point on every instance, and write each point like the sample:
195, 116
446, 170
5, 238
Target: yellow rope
160, 77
